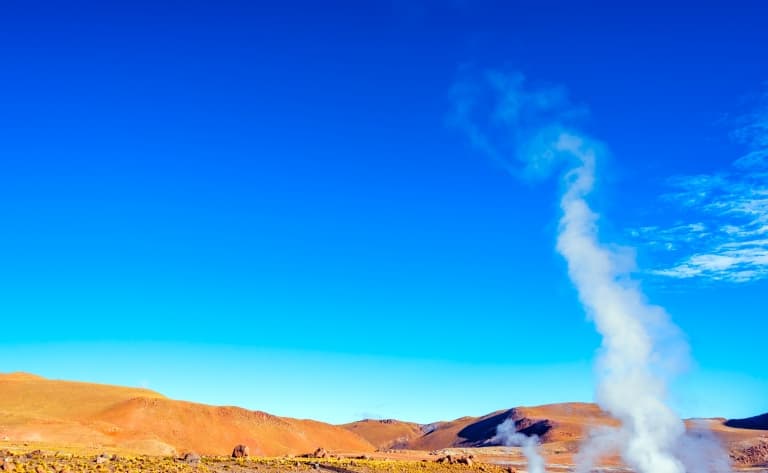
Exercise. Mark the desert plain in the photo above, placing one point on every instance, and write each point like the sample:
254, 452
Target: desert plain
53, 426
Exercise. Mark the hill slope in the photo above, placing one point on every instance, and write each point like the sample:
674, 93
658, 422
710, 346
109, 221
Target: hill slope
388, 433
143, 421
553, 423
754, 423
94, 416
561, 428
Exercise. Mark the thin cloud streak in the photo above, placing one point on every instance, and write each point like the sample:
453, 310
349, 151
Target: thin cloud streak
728, 241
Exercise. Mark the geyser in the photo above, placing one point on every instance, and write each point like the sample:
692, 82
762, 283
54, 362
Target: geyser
641, 347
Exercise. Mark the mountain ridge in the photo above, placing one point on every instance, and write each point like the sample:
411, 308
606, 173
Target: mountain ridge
139, 420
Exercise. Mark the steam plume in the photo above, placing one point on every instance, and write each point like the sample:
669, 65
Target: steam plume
640, 346
507, 434
629, 388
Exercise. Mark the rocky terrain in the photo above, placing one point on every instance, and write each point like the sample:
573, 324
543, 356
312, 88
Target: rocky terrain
561, 427
57, 420
38, 461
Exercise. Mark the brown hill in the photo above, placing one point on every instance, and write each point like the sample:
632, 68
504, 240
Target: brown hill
553, 423
387, 433
143, 421
94, 416
754, 423
561, 428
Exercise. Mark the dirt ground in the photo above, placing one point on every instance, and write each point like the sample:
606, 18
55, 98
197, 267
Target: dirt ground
38, 458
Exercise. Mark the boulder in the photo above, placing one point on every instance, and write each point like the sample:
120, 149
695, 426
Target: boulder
7, 464
190, 457
452, 460
320, 453
240, 451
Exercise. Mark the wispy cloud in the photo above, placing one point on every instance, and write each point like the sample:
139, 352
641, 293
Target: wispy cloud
727, 238
510, 121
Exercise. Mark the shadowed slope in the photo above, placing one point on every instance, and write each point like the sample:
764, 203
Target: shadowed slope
552, 423
754, 423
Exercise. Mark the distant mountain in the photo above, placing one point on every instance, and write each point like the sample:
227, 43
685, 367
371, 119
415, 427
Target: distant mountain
388, 433
561, 428
134, 420
754, 423
552, 423
143, 421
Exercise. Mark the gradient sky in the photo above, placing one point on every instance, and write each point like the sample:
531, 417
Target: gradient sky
265, 203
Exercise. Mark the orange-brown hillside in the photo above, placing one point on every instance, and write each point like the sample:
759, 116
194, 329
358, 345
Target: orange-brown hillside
387, 433
553, 423
143, 421
561, 428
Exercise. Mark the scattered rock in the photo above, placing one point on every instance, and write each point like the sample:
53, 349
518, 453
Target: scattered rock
41, 469
190, 457
240, 451
320, 453
7, 464
103, 458
452, 460
751, 453
35, 454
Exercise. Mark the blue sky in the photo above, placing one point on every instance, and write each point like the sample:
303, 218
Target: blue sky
235, 202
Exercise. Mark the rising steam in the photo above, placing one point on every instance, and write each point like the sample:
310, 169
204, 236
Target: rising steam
640, 346
630, 387
507, 434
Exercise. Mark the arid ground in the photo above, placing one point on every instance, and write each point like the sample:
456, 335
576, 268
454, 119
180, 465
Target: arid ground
71, 427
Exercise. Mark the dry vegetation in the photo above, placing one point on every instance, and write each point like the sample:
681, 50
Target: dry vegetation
58, 462
69, 425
